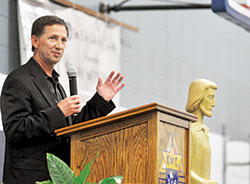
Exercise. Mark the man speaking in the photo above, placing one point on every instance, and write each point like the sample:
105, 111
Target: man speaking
34, 104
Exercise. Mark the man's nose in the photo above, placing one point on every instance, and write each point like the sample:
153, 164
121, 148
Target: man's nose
60, 44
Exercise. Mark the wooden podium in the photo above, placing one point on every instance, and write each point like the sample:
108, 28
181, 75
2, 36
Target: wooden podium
147, 144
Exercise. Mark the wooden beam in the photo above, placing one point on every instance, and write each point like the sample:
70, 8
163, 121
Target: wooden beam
94, 13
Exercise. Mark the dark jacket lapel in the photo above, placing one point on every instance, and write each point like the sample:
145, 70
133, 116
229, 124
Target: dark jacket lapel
41, 81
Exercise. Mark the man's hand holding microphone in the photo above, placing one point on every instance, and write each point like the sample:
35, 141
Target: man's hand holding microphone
107, 90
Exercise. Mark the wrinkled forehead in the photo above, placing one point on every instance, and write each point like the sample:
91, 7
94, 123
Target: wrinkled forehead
56, 29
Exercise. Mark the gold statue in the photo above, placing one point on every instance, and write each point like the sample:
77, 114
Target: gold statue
201, 100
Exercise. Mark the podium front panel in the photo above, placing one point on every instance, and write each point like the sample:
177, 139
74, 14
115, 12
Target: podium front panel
124, 151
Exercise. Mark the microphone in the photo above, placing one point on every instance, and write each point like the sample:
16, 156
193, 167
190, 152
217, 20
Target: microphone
72, 73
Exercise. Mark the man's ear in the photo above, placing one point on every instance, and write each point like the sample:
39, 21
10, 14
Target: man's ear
34, 41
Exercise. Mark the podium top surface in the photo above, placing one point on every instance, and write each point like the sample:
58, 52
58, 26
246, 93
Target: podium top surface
125, 114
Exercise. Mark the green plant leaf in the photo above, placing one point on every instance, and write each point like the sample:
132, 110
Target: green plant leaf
60, 172
45, 182
85, 172
112, 180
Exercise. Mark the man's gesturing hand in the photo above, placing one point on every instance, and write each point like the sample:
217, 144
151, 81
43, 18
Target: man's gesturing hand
70, 105
111, 86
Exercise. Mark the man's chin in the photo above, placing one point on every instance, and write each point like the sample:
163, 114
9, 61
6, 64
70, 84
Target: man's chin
55, 60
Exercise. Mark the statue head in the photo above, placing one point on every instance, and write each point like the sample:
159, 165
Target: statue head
201, 96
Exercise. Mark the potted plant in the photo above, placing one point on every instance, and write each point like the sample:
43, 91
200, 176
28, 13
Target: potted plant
61, 173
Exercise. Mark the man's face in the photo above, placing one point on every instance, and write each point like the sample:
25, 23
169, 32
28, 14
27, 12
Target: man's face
49, 47
208, 102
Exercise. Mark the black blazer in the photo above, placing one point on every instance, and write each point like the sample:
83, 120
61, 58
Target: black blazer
30, 115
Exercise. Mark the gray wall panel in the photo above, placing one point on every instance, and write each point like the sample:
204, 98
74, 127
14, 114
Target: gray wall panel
4, 30
2, 149
9, 48
4, 8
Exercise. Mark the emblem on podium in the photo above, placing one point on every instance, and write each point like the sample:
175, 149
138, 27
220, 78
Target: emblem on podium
171, 169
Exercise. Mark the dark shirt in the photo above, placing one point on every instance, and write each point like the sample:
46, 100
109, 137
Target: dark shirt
53, 83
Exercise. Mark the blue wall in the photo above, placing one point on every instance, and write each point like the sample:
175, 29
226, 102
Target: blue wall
9, 48
175, 47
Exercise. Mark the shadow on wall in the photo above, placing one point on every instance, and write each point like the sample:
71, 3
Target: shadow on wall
2, 151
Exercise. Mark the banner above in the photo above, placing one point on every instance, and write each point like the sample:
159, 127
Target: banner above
236, 12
